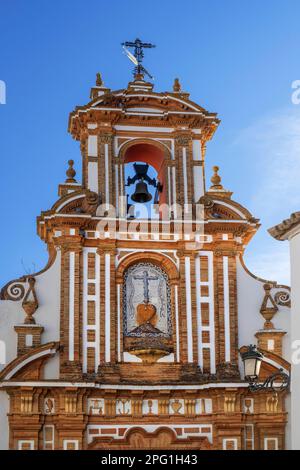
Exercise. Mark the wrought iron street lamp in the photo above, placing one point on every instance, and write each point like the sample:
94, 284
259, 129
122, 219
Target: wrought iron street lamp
252, 359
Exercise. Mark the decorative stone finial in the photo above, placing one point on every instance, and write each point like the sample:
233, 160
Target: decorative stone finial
176, 86
99, 81
99, 89
30, 302
71, 173
268, 307
216, 179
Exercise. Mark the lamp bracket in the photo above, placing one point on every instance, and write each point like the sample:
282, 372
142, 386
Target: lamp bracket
277, 382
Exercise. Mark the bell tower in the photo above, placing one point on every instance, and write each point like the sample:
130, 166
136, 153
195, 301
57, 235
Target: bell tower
164, 130
147, 264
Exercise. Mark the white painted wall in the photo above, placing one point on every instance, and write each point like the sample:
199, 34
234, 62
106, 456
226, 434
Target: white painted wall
295, 340
168, 358
92, 145
51, 368
48, 314
11, 314
250, 296
4, 409
93, 176
127, 357
197, 150
198, 182
48, 294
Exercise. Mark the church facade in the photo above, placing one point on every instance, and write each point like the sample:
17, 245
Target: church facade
130, 338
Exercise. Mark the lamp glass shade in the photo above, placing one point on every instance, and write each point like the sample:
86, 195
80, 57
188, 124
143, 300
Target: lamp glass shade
252, 367
252, 361
257, 366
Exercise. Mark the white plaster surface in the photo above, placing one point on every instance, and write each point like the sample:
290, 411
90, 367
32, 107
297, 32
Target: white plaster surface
4, 408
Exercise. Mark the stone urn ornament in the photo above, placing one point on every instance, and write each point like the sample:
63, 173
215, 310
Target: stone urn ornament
268, 308
30, 303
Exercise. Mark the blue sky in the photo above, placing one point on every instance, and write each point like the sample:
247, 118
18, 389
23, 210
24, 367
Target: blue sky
237, 58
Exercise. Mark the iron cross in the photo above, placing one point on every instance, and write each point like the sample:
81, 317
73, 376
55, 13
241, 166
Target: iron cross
146, 278
139, 55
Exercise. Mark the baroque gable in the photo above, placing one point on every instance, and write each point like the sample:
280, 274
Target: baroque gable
131, 335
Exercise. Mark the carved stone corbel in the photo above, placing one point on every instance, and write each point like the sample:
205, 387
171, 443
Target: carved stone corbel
105, 138
91, 202
183, 140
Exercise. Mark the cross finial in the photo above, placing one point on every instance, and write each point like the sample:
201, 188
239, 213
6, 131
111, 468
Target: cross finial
137, 56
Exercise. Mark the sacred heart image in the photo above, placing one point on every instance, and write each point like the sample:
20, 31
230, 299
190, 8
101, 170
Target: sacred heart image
146, 301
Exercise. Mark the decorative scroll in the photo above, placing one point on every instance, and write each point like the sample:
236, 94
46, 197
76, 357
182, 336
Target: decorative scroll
22, 289
207, 202
14, 290
91, 202
283, 298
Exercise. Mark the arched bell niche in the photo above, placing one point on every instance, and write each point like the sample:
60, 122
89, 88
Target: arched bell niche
152, 153
147, 189
147, 318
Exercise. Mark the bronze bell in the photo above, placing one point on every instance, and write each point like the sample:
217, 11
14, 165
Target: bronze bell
141, 193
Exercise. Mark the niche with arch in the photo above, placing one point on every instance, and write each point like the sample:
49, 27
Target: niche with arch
153, 154
147, 322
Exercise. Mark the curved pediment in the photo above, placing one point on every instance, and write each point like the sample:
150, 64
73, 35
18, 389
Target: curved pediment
68, 203
223, 215
79, 202
29, 365
153, 102
138, 106
222, 207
